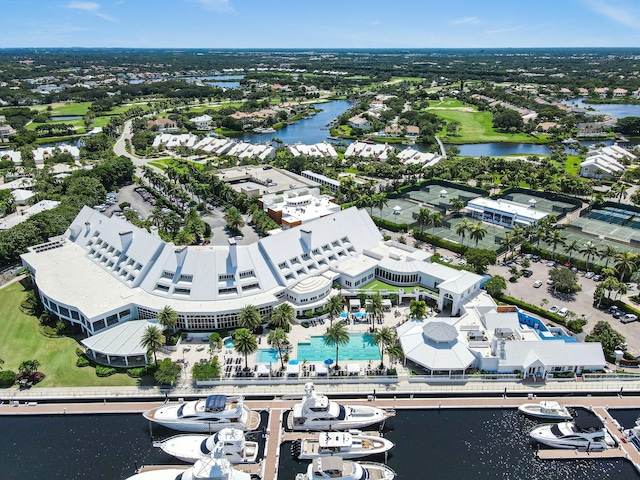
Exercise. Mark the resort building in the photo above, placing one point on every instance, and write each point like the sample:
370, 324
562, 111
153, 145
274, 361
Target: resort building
333, 184
104, 271
322, 149
606, 162
504, 212
41, 206
497, 340
295, 207
227, 146
379, 151
13, 155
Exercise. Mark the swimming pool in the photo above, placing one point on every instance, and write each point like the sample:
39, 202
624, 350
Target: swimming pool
266, 355
360, 347
228, 343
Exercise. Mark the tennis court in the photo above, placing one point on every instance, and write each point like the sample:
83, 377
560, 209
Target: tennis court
543, 204
491, 240
440, 196
399, 210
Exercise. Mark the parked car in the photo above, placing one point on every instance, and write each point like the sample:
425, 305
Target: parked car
618, 314
549, 282
628, 318
612, 309
554, 309
598, 278
535, 258
537, 284
527, 273
589, 275
563, 311
551, 263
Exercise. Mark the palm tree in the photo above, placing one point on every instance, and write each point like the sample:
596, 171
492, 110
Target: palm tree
589, 249
555, 238
29, 367
462, 228
283, 316
610, 284
153, 339
477, 232
249, 317
436, 221
608, 252
380, 201
572, 247
456, 204
334, 306
234, 219
384, 338
395, 351
337, 336
508, 242
423, 219
417, 309
245, 343
622, 289
168, 318
278, 339
626, 262
374, 307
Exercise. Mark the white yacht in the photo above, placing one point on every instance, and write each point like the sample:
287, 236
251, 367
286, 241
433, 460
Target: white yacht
210, 468
336, 468
317, 412
632, 435
583, 433
547, 409
191, 448
209, 415
343, 444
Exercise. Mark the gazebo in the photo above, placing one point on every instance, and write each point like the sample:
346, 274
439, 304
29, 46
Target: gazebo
354, 304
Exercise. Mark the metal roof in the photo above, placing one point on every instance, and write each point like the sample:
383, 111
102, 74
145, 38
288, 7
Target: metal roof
440, 332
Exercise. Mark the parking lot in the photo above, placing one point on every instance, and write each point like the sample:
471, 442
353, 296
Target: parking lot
581, 303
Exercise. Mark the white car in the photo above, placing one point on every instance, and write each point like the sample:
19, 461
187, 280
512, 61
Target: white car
589, 275
537, 284
563, 311
551, 263
554, 309
628, 318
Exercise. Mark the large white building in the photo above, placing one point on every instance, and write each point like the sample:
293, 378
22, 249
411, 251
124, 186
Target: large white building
504, 212
605, 162
170, 140
496, 340
410, 156
105, 271
298, 206
322, 149
378, 151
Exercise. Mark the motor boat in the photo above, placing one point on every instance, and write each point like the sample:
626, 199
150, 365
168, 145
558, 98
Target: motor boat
632, 435
317, 412
209, 468
547, 409
209, 415
583, 433
336, 468
191, 448
343, 444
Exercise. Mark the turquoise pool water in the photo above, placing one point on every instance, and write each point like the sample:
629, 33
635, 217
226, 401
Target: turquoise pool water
360, 347
266, 355
228, 343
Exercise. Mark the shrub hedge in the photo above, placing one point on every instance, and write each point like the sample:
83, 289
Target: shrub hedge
439, 242
538, 311
104, 371
82, 362
7, 378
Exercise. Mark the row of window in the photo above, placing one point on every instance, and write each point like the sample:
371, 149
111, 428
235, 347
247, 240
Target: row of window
407, 279
360, 281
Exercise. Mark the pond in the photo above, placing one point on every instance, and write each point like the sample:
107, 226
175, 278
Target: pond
615, 110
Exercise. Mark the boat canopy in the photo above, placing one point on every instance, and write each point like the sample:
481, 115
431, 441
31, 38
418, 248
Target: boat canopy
586, 424
215, 403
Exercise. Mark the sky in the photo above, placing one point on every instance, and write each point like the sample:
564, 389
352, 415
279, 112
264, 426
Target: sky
320, 23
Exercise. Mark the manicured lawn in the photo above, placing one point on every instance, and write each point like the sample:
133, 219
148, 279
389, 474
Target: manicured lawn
475, 126
22, 341
73, 108
377, 286
204, 108
572, 165
124, 108
78, 123
162, 163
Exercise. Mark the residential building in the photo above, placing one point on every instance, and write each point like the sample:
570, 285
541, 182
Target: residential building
202, 122
162, 125
410, 156
322, 149
169, 140
13, 220
41, 154
333, 184
378, 151
360, 123
605, 162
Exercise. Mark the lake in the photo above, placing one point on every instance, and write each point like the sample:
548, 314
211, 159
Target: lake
308, 130
614, 109
431, 444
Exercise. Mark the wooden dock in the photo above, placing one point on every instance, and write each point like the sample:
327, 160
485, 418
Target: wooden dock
558, 454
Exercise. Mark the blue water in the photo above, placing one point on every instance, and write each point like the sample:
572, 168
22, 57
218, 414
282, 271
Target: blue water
613, 109
360, 347
65, 117
228, 343
308, 130
267, 355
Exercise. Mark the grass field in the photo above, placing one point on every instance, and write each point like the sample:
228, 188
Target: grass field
79, 108
22, 341
162, 164
475, 126
204, 108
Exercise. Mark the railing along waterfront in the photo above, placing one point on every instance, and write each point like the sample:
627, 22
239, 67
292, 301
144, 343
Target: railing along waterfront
345, 379
598, 377
465, 378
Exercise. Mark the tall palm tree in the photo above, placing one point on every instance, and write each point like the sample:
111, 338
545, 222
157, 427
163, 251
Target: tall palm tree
456, 204
380, 201
168, 318
462, 228
337, 336
508, 242
375, 307
249, 317
384, 338
334, 306
574, 246
608, 252
423, 219
436, 221
417, 309
589, 249
153, 339
245, 343
278, 339
626, 262
234, 219
283, 316
555, 238
622, 289
477, 232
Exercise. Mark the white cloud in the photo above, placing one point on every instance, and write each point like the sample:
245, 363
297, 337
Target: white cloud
216, 5
466, 21
92, 8
617, 14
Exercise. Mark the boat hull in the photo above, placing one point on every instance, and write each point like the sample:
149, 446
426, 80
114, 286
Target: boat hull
379, 446
534, 410
188, 449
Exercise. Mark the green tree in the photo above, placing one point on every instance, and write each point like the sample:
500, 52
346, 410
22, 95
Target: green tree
480, 259
609, 338
608, 252
283, 316
495, 285
564, 280
589, 249
168, 318
168, 372
477, 232
571, 248
245, 343
249, 318
234, 219
555, 238
334, 306
337, 336
436, 221
423, 218
153, 339
278, 339
456, 204
626, 263
462, 229
384, 338
28, 368
417, 309
374, 306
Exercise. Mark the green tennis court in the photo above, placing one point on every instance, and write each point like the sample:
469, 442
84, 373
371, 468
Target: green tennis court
543, 204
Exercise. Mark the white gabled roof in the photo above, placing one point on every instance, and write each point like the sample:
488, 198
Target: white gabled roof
120, 340
553, 353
